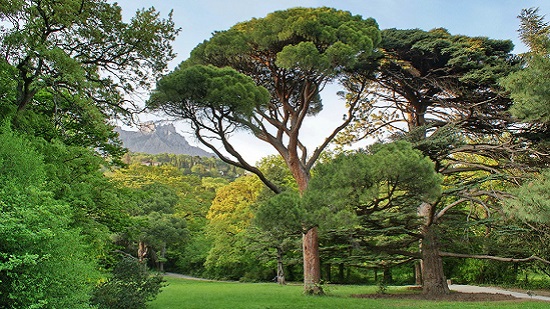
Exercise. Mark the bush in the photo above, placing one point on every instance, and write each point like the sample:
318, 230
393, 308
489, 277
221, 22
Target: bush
131, 286
473, 271
44, 260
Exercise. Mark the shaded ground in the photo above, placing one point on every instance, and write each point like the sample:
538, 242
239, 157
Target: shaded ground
454, 296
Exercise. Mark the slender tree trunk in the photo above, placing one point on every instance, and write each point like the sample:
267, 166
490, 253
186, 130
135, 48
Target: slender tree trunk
341, 276
418, 273
162, 256
142, 251
280, 267
312, 263
328, 272
388, 278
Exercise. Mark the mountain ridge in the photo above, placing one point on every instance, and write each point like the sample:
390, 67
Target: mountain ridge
155, 139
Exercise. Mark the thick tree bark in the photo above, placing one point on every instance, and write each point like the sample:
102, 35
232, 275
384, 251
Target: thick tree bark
434, 281
312, 263
433, 277
310, 238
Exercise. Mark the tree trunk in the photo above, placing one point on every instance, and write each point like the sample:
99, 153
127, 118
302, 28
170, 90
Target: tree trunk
433, 277
310, 239
341, 276
162, 258
312, 263
142, 251
280, 267
418, 273
328, 272
388, 278
434, 281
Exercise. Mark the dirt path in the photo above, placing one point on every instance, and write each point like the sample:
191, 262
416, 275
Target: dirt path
186, 277
489, 290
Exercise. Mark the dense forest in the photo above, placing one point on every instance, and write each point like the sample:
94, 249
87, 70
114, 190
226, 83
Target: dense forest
456, 185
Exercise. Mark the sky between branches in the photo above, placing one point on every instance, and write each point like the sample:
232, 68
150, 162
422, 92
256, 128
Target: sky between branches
495, 19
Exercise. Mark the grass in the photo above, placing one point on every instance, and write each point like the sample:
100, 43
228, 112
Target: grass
189, 294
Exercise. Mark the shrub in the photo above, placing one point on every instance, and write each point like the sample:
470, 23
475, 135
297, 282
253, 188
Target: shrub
131, 286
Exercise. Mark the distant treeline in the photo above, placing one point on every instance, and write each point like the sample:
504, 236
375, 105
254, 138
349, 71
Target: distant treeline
201, 166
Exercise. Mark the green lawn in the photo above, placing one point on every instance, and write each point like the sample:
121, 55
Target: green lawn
188, 294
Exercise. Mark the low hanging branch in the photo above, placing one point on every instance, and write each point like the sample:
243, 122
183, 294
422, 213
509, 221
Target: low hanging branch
494, 258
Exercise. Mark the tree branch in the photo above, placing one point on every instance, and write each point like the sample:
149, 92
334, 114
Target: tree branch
494, 258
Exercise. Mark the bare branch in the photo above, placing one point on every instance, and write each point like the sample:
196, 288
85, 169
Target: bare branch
495, 258
444, 210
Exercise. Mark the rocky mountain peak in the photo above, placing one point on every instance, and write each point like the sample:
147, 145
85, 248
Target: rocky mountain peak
153, 139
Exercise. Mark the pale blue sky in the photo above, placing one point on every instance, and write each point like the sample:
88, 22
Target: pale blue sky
492, 18
495, 19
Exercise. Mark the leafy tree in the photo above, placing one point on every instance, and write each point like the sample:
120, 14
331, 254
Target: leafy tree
169, 214
534, 31
280, 219
166, 231
382, 187
288, 57
44, 260
440, 92
131, 286
158, 228
529, 89
231, 214
73, 62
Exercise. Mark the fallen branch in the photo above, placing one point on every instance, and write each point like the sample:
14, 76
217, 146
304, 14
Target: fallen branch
494, 258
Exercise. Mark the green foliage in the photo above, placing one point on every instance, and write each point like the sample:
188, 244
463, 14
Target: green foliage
131, 286
530, 86
486, 272
374, 196
321, 40
44, 260
534, 31
440, 77
291, 55
389, 175
48, 33
530, 89
19, 161
278, 172
532, 199
231, 214
281, 216
75, 176
73, 61
199, 166
205, 89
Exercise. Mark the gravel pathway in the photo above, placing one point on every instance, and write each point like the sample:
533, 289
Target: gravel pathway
481, 289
